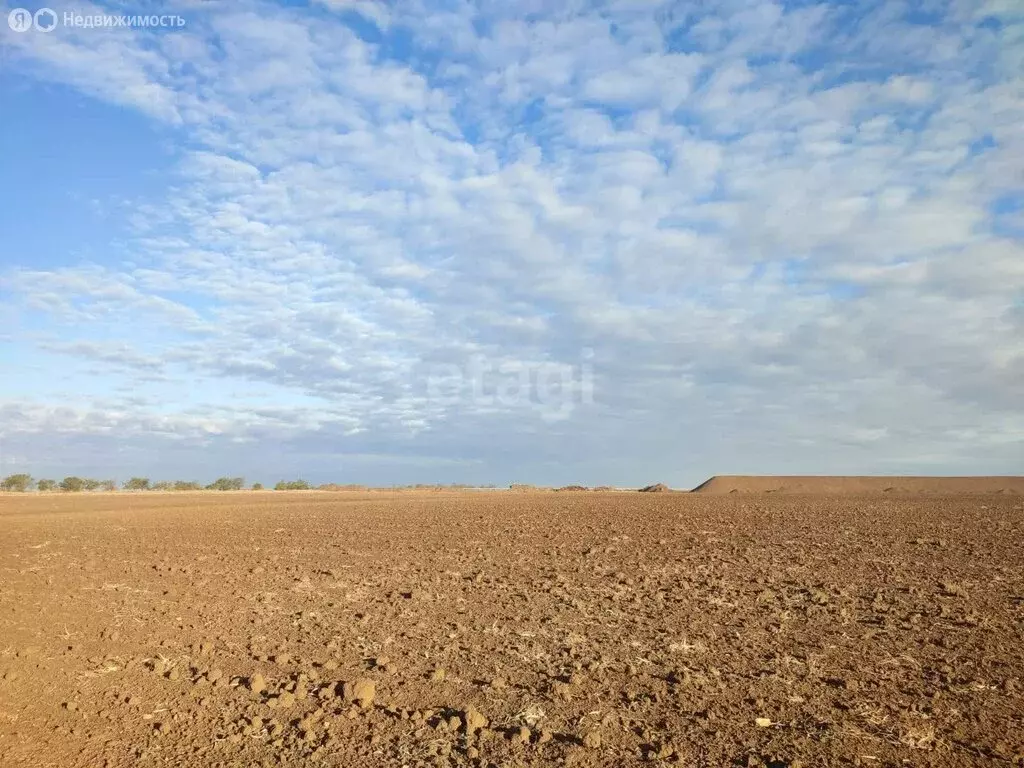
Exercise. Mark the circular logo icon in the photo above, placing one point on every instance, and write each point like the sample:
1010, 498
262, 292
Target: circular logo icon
19, 20
46, 20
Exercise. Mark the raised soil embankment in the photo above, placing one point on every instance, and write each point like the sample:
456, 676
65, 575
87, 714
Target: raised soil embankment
853, 484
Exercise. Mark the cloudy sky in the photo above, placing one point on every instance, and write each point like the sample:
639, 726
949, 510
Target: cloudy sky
529, 241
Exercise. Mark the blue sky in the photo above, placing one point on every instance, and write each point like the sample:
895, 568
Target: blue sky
619, 242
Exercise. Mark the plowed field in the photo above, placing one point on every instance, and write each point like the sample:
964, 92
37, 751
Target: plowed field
511, 629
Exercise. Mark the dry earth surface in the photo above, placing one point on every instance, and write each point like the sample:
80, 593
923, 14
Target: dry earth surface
511, 629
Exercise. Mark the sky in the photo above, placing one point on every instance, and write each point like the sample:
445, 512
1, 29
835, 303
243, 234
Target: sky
615, 243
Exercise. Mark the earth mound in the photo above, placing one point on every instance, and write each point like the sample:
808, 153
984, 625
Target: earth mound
843, 484
656, 488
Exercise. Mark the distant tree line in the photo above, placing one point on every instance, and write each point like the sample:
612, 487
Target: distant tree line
220, 484
22, 483
292, 485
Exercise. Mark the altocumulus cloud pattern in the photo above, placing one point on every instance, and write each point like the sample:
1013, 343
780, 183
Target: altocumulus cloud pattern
775, 236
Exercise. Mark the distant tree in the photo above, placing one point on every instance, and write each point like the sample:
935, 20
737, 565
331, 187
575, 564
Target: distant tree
108, 485
91, 485
292, 485
137, 484
19, 483
72, 484
257, 486
226, 484
187, 485
163, 485
47, 485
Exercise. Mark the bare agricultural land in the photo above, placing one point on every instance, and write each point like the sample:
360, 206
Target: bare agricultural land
511, 629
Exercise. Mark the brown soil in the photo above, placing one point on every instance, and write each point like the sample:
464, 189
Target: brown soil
510, 629
658, 488
853, 484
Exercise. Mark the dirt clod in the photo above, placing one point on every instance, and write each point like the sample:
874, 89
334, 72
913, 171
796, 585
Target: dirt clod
362, 692
257, 684
473, 720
